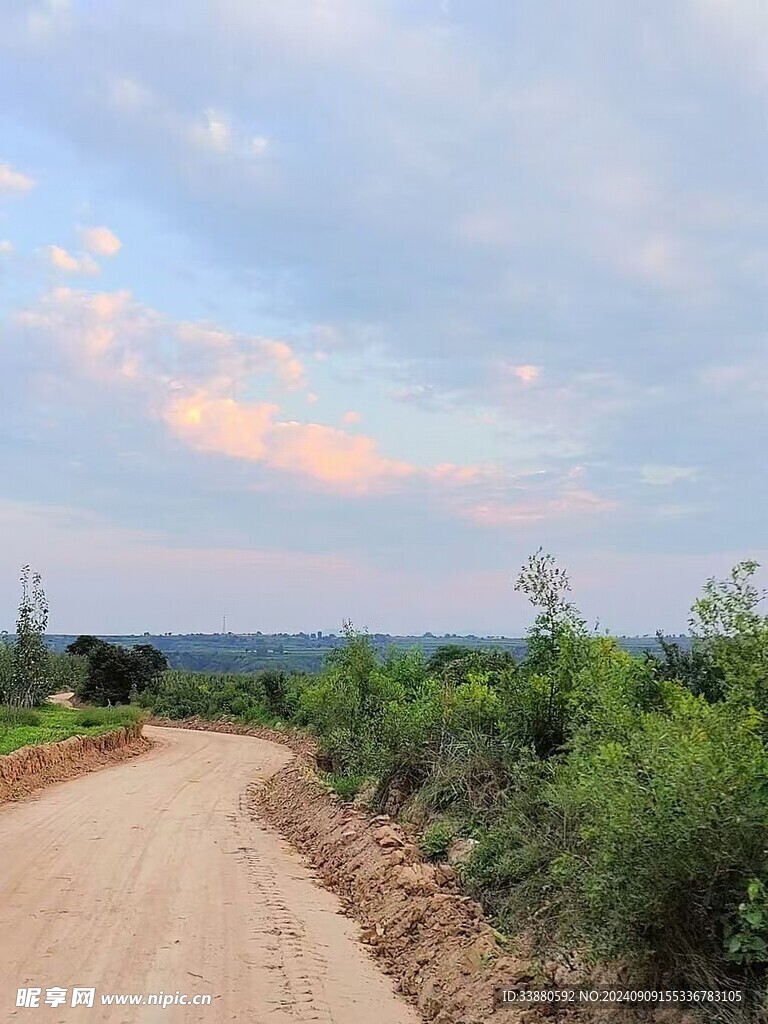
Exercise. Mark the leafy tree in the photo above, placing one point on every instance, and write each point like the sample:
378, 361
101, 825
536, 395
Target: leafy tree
32, 678
275, 686
558, 649
457, 665
150, 663
728, 628
694, 668
546, 585
115, 673
446, 654
68, 671
83, 646
6, 668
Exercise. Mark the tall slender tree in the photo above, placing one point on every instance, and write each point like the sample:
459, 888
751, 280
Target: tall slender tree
32, 677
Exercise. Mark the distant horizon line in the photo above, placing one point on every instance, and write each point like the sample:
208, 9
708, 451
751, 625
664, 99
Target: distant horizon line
323, 634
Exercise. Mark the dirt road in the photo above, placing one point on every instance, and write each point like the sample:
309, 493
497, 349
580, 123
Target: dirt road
64, 700
150, 876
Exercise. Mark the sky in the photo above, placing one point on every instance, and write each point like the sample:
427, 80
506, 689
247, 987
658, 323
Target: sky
315, 310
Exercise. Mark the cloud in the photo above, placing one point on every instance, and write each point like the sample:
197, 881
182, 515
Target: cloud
215, 132
13, 182
526, 373
6, 247
62, 260
43, 17
570, 502
101, 241
664, 476
351, 418
110, 336
224, 394
222, 425
323, 453
249, 430
191, 375
603, 248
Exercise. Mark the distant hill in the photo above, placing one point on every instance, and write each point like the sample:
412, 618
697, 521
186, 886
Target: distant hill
250, 652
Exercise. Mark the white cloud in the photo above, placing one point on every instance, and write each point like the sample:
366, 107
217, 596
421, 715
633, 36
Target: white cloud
216, 132
213, 132
6, 247
663, 476
13, 182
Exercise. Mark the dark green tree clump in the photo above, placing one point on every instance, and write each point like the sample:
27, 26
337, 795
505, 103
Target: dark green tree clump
116, 674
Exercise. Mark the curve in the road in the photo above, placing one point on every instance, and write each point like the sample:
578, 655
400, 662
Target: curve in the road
151, 876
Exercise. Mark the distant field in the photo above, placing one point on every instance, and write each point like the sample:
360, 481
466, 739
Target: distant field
22, 727
302, 652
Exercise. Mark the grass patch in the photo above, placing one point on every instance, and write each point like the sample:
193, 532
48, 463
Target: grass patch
436, 839
23, 727
347, 786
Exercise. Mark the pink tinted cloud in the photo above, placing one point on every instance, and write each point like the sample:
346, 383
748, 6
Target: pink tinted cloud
192, 377
570, 501
527, 373
61, 259
249, 430
102, 332
333, 457
101, 240
13, 182
221, 424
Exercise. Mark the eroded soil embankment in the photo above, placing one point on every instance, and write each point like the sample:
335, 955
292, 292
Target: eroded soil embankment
31, 768
298, 742
431, 937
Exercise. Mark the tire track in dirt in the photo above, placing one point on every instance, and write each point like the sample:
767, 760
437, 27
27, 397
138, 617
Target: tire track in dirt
152, 875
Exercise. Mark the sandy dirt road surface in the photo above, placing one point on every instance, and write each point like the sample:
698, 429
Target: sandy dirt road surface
151, 876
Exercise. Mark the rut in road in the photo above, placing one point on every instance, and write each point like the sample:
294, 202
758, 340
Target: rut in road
151, 876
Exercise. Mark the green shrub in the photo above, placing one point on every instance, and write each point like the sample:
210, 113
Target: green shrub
746, 939
180, 694
436, 839
347, 786
639, 847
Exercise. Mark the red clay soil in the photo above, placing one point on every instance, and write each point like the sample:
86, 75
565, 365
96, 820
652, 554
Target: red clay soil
427, 934
31, 768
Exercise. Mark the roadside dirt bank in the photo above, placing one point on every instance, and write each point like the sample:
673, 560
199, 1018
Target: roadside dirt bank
425, 932
296, 741
30, 768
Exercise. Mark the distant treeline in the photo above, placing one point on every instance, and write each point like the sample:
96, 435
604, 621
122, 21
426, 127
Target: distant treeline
235, 654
